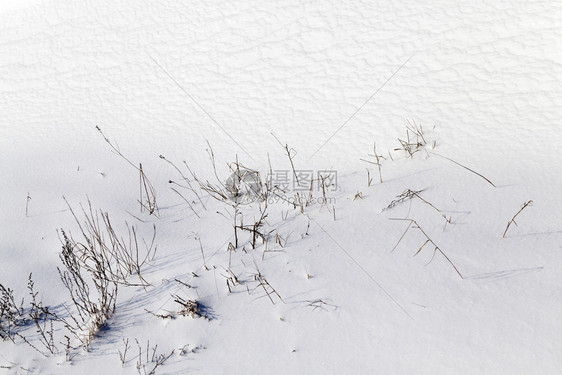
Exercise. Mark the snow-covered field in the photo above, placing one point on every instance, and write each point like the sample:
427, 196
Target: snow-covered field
343, 285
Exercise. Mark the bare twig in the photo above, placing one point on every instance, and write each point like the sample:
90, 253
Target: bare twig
123, 259
189, 186
202, 253
11, 315
147, 194
27, 204
123, 356
512, 221
291, 153
413, 224
409, 194
377, 163
465, 167
409, 145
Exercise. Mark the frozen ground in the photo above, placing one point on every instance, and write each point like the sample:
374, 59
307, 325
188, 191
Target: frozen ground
328, 79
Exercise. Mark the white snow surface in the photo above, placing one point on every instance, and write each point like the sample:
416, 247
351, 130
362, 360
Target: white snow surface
7, 6
484, 79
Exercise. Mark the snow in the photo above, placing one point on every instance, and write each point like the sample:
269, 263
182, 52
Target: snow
7, 6
163, 78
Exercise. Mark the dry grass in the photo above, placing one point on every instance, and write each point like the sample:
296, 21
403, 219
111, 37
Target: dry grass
122, 257
147, 193
512, 221
377, 162
152, 362
15, 319
414, 141
12, 315
436, 249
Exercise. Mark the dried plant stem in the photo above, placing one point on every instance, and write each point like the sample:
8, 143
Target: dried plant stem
377, 163
103, 244
202, 253
189, 186
186, 201
409, 194
512, 221
147, 194
291, 153
409, 146
27, 204
465, 167
123, 356
413, 224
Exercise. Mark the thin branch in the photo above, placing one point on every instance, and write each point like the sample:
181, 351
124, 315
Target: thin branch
465, 167
512, 221
415, 225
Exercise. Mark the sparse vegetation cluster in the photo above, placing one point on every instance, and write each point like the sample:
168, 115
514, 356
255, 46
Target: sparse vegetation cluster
102, 259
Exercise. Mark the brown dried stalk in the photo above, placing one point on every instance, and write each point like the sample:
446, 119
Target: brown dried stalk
512, 221
415, 225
